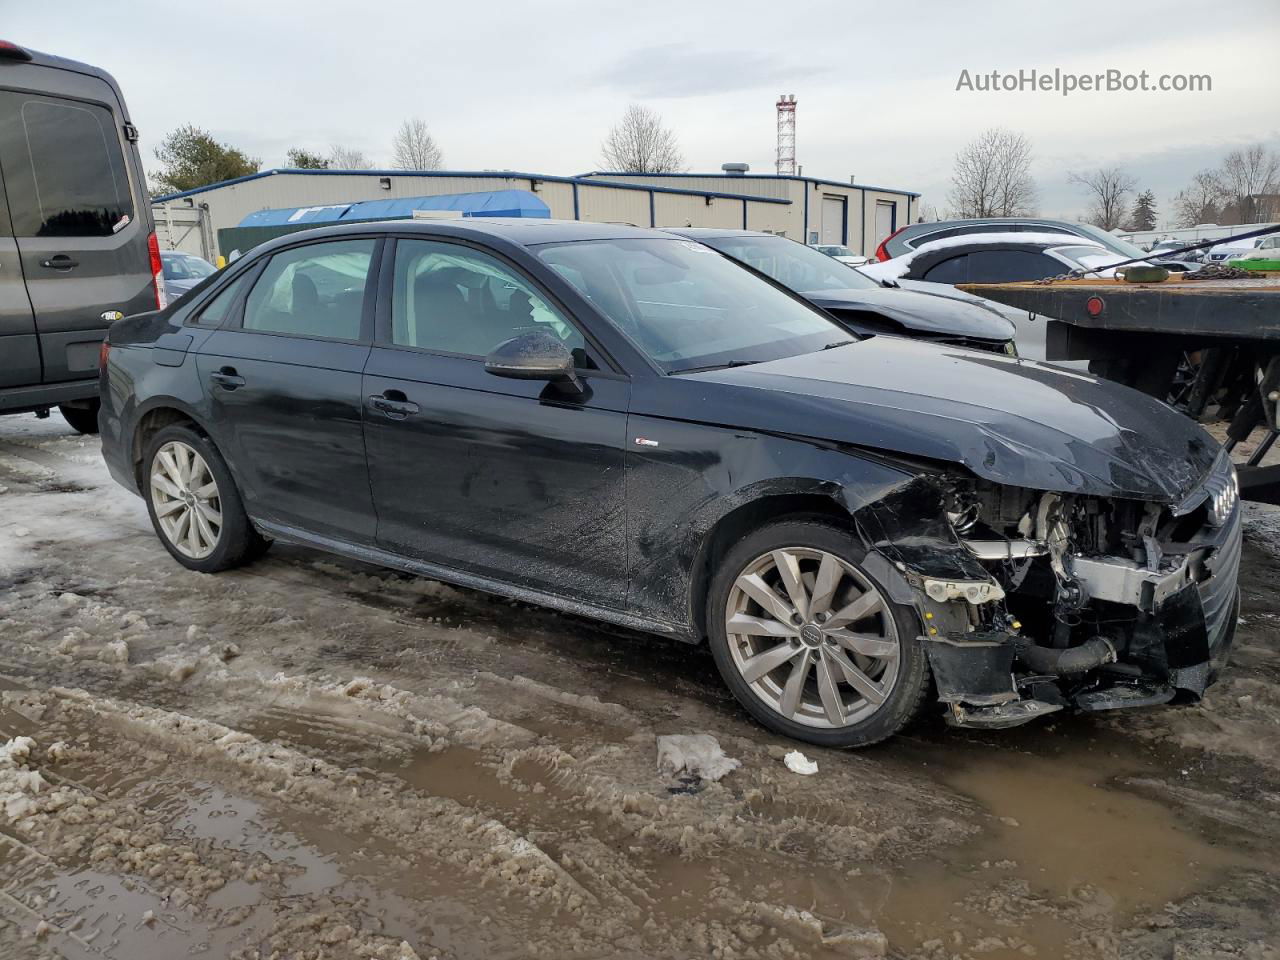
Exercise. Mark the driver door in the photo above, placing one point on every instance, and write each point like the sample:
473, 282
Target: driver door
508, 479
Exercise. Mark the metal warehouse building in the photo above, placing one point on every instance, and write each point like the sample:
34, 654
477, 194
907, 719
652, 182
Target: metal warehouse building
803, 208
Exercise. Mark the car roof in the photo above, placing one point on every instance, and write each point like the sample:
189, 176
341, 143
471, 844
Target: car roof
969, 221
525, 232
967, 241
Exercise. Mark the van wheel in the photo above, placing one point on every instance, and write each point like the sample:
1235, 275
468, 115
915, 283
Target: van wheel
194, 505
808, 641
82, 419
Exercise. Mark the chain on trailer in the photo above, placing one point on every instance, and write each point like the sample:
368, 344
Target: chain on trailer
1211, 271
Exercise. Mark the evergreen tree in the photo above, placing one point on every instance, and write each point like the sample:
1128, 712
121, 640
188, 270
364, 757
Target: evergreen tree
1144, 212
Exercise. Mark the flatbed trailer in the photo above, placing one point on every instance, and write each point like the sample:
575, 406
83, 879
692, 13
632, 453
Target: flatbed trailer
1203, 345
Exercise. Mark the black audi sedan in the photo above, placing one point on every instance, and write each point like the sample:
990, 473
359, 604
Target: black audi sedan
863, 305
628, 426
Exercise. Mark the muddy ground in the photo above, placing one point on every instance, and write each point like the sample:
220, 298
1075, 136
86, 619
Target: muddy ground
310, 758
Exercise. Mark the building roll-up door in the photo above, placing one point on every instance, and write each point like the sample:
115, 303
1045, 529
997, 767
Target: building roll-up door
833, 219
886, 220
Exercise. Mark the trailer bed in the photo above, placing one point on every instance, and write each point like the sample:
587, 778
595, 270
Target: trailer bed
1238, 309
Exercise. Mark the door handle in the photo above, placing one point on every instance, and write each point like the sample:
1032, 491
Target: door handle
60, 262
393, 404
227, 378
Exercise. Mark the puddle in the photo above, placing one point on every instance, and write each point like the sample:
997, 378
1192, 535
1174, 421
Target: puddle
1080, 844
95, 915
1074, 827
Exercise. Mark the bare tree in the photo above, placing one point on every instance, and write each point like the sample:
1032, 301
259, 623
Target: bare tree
992, 176
348, 158
1201, 202
1109, 188
1250, 179
641, 143
414, 148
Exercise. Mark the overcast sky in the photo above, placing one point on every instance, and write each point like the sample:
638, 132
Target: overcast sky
534, 86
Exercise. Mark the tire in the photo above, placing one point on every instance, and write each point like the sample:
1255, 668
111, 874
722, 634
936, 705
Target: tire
82, 419
223, 536
802, 687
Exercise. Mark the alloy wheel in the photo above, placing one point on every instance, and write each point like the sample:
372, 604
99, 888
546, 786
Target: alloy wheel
812, 637
185, 498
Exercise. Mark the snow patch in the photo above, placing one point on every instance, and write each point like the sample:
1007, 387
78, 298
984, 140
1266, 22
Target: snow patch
797, 762
697, 754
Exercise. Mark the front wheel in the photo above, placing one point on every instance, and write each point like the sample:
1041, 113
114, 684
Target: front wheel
194, 505
808, 641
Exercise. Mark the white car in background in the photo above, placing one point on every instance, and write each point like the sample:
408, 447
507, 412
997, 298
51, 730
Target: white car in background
1231, 251
1266, 248
838, 251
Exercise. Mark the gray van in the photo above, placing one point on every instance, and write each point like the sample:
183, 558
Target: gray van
77, 243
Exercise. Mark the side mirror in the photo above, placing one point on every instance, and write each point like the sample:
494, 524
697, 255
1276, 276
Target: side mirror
534, 356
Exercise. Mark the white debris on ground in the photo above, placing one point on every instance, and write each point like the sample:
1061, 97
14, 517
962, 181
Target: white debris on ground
797, 762
311, 758
697, 754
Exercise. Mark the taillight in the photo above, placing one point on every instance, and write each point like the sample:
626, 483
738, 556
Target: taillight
104, 354
157, 272
12, 51
882, 252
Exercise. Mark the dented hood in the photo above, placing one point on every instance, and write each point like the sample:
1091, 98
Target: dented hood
920, 312
1010, 421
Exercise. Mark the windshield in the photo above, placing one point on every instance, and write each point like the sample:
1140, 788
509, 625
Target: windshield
183, 267
1110, 241
687, 308
1091, 258
795, 266
834, 250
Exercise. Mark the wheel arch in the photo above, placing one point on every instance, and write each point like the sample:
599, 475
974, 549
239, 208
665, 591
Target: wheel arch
815, 500
158, 413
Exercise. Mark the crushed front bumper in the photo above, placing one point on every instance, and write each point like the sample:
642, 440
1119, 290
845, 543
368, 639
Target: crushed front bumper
1186, 617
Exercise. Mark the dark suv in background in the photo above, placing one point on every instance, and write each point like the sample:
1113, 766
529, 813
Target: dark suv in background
77, 247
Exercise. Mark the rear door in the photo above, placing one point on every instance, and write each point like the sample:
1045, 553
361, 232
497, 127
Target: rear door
282, 382
78, 221
19, 351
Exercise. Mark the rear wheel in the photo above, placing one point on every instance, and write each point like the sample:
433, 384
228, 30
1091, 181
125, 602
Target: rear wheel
81, 419
194, 505
808, 641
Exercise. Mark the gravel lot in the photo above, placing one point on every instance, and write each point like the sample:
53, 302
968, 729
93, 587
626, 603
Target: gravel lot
310, 758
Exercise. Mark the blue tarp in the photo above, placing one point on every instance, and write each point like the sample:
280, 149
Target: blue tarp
492, 203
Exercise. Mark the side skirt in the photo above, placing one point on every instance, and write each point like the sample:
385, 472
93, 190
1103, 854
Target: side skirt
459, 578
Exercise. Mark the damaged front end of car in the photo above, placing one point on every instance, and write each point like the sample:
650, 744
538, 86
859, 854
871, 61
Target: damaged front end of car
1033, 601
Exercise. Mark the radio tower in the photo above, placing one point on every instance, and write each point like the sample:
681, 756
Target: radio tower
787, 134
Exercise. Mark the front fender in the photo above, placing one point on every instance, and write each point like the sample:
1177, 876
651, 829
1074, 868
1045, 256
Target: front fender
688, 486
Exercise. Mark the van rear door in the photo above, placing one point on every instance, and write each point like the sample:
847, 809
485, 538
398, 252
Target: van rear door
78, 213
19, 351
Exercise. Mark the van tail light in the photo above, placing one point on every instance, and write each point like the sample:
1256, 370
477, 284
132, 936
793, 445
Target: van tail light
157, 272
882, 252
104, 354
11, 51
